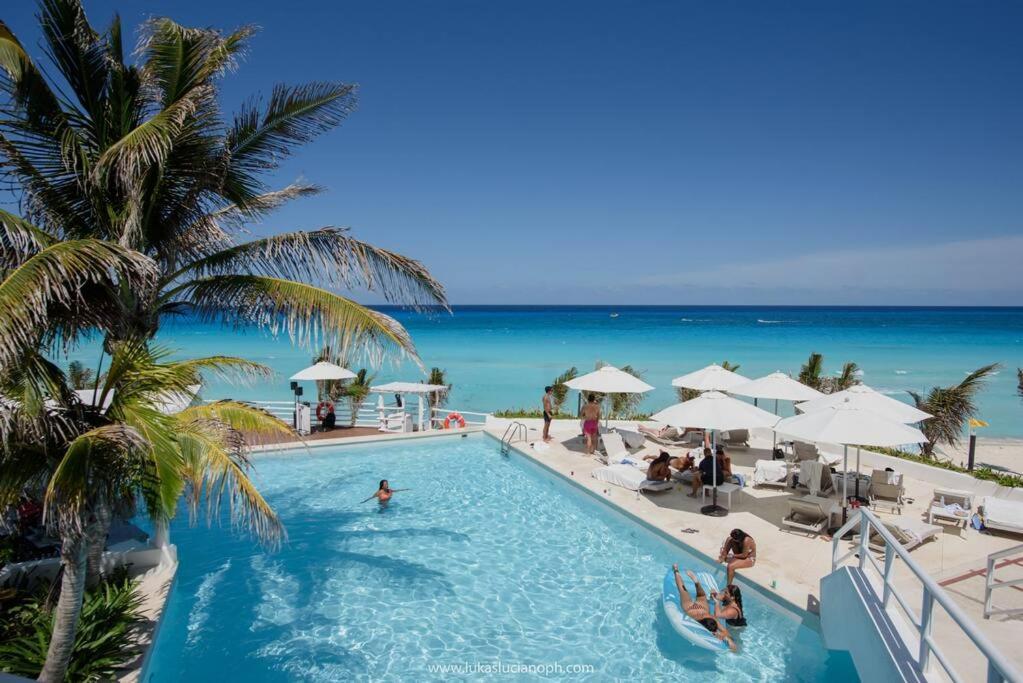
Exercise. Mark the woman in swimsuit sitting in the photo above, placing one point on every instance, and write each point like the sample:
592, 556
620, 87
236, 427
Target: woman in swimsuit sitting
699, 610
659, 469
591, 421
739, 551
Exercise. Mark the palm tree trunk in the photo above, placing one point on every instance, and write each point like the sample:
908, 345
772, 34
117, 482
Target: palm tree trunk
69, 606
96, 536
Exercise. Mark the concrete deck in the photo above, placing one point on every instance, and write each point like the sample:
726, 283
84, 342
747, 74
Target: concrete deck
790, 565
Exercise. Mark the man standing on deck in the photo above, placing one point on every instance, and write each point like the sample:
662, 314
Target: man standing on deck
548, 412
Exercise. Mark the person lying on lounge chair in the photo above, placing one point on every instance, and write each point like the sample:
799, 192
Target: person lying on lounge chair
699, 610
662, 433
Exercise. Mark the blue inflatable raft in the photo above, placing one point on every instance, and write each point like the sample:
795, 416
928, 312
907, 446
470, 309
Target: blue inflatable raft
684, 625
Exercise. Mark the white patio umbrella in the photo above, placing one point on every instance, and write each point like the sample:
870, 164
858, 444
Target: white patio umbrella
609, 380
711, 378
778, 386
323, 371
717, 412
862, 396
849, 425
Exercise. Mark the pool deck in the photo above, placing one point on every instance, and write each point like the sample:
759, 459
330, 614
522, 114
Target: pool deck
790, 565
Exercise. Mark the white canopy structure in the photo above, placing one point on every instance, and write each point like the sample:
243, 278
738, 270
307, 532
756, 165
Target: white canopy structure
418, 388
168, 402
862, 396
847, 424
711, 378
323, 371
609, 380
716, 411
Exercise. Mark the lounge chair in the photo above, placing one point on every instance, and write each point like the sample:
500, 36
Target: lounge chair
804, 451
908, 531
772, 473
951, 505
886, 488
631, 477
614, 449
1002, 514
736, 438
815, 477
671, 437
811, 514
632, 439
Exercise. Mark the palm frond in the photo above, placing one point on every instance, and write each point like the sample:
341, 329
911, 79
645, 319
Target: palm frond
19, 240
81, 57
255, 424
1019, 382
951, 408
258, 206
229, 368
329, 255
560, 388
309, 315
57, 275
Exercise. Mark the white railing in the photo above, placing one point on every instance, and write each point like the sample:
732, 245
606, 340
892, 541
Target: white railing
998, 667
991, 585
515, 430
472, 419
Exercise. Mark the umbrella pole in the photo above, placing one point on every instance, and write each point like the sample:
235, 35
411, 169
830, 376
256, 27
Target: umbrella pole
774, 435
845, 483
714, 510
857, 472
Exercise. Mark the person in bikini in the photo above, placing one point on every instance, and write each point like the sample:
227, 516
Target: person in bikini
659, 469
739, 551
384, 493
699, 609
591, 423
728, 605
548, 412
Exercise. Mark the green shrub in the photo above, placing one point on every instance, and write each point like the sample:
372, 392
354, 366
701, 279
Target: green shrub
984, 473
111, 613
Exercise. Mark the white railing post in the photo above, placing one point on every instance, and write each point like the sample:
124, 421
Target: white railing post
925, 630
889, 562
864, 540
989, 584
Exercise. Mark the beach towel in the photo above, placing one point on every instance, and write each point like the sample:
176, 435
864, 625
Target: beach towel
769, 471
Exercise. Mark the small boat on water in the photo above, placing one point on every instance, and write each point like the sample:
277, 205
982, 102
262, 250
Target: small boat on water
614, 315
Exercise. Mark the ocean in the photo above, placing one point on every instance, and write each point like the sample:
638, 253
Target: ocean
501, 356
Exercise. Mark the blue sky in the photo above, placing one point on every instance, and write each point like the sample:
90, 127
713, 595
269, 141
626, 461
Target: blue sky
657, 152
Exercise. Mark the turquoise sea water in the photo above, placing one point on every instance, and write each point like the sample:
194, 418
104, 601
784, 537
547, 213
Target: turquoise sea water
501, 357
486, 560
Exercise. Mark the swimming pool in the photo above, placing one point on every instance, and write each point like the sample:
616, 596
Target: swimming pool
487, 562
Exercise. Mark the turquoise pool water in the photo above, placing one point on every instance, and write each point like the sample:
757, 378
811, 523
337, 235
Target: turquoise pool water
487, 561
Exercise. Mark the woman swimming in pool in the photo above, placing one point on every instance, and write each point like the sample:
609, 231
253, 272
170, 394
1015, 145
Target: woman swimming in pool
384, 493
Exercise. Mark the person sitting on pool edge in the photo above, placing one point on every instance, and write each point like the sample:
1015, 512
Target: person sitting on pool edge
384, 493
699, 610
729, 605
739, 551
659, 469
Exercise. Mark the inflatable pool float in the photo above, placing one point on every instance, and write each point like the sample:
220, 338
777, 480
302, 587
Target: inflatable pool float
684, 625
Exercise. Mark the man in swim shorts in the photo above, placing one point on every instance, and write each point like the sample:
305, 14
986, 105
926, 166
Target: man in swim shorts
548, 412
591, 420
699, 610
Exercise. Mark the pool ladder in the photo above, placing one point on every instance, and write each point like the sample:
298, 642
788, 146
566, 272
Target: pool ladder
515, 429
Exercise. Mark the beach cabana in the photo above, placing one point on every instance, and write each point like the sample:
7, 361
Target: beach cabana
715, 411
862, 396
609, 380
777, 386
849, 425
711, 378
418, 389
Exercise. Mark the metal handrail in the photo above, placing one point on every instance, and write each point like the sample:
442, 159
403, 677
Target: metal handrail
990, 585
998, 667
510, 433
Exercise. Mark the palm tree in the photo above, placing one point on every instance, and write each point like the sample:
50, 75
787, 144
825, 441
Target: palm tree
845, 379
951, 408
560, 387
138, 154
79, 376
437, 399
92, 461
356, 390
812, 375
1019, 382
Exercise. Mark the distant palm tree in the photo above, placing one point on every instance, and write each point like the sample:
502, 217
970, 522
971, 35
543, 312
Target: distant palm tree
624, 406
812, 375
559, 388
846, 379
951, 408
812, 372
79, 376
437, 399
1019, 382
356, 390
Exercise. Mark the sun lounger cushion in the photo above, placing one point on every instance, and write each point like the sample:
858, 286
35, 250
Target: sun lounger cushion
632, 439
769, 471
1003, 514
629, 477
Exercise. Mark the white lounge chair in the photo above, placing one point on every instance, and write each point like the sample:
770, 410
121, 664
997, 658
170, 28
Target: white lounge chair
614, 448
1002, 514
811, 514
952, 505
815, 477
632, 438
630, 477
886, 488
771, 473
908, 531
804, 451
736, 438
